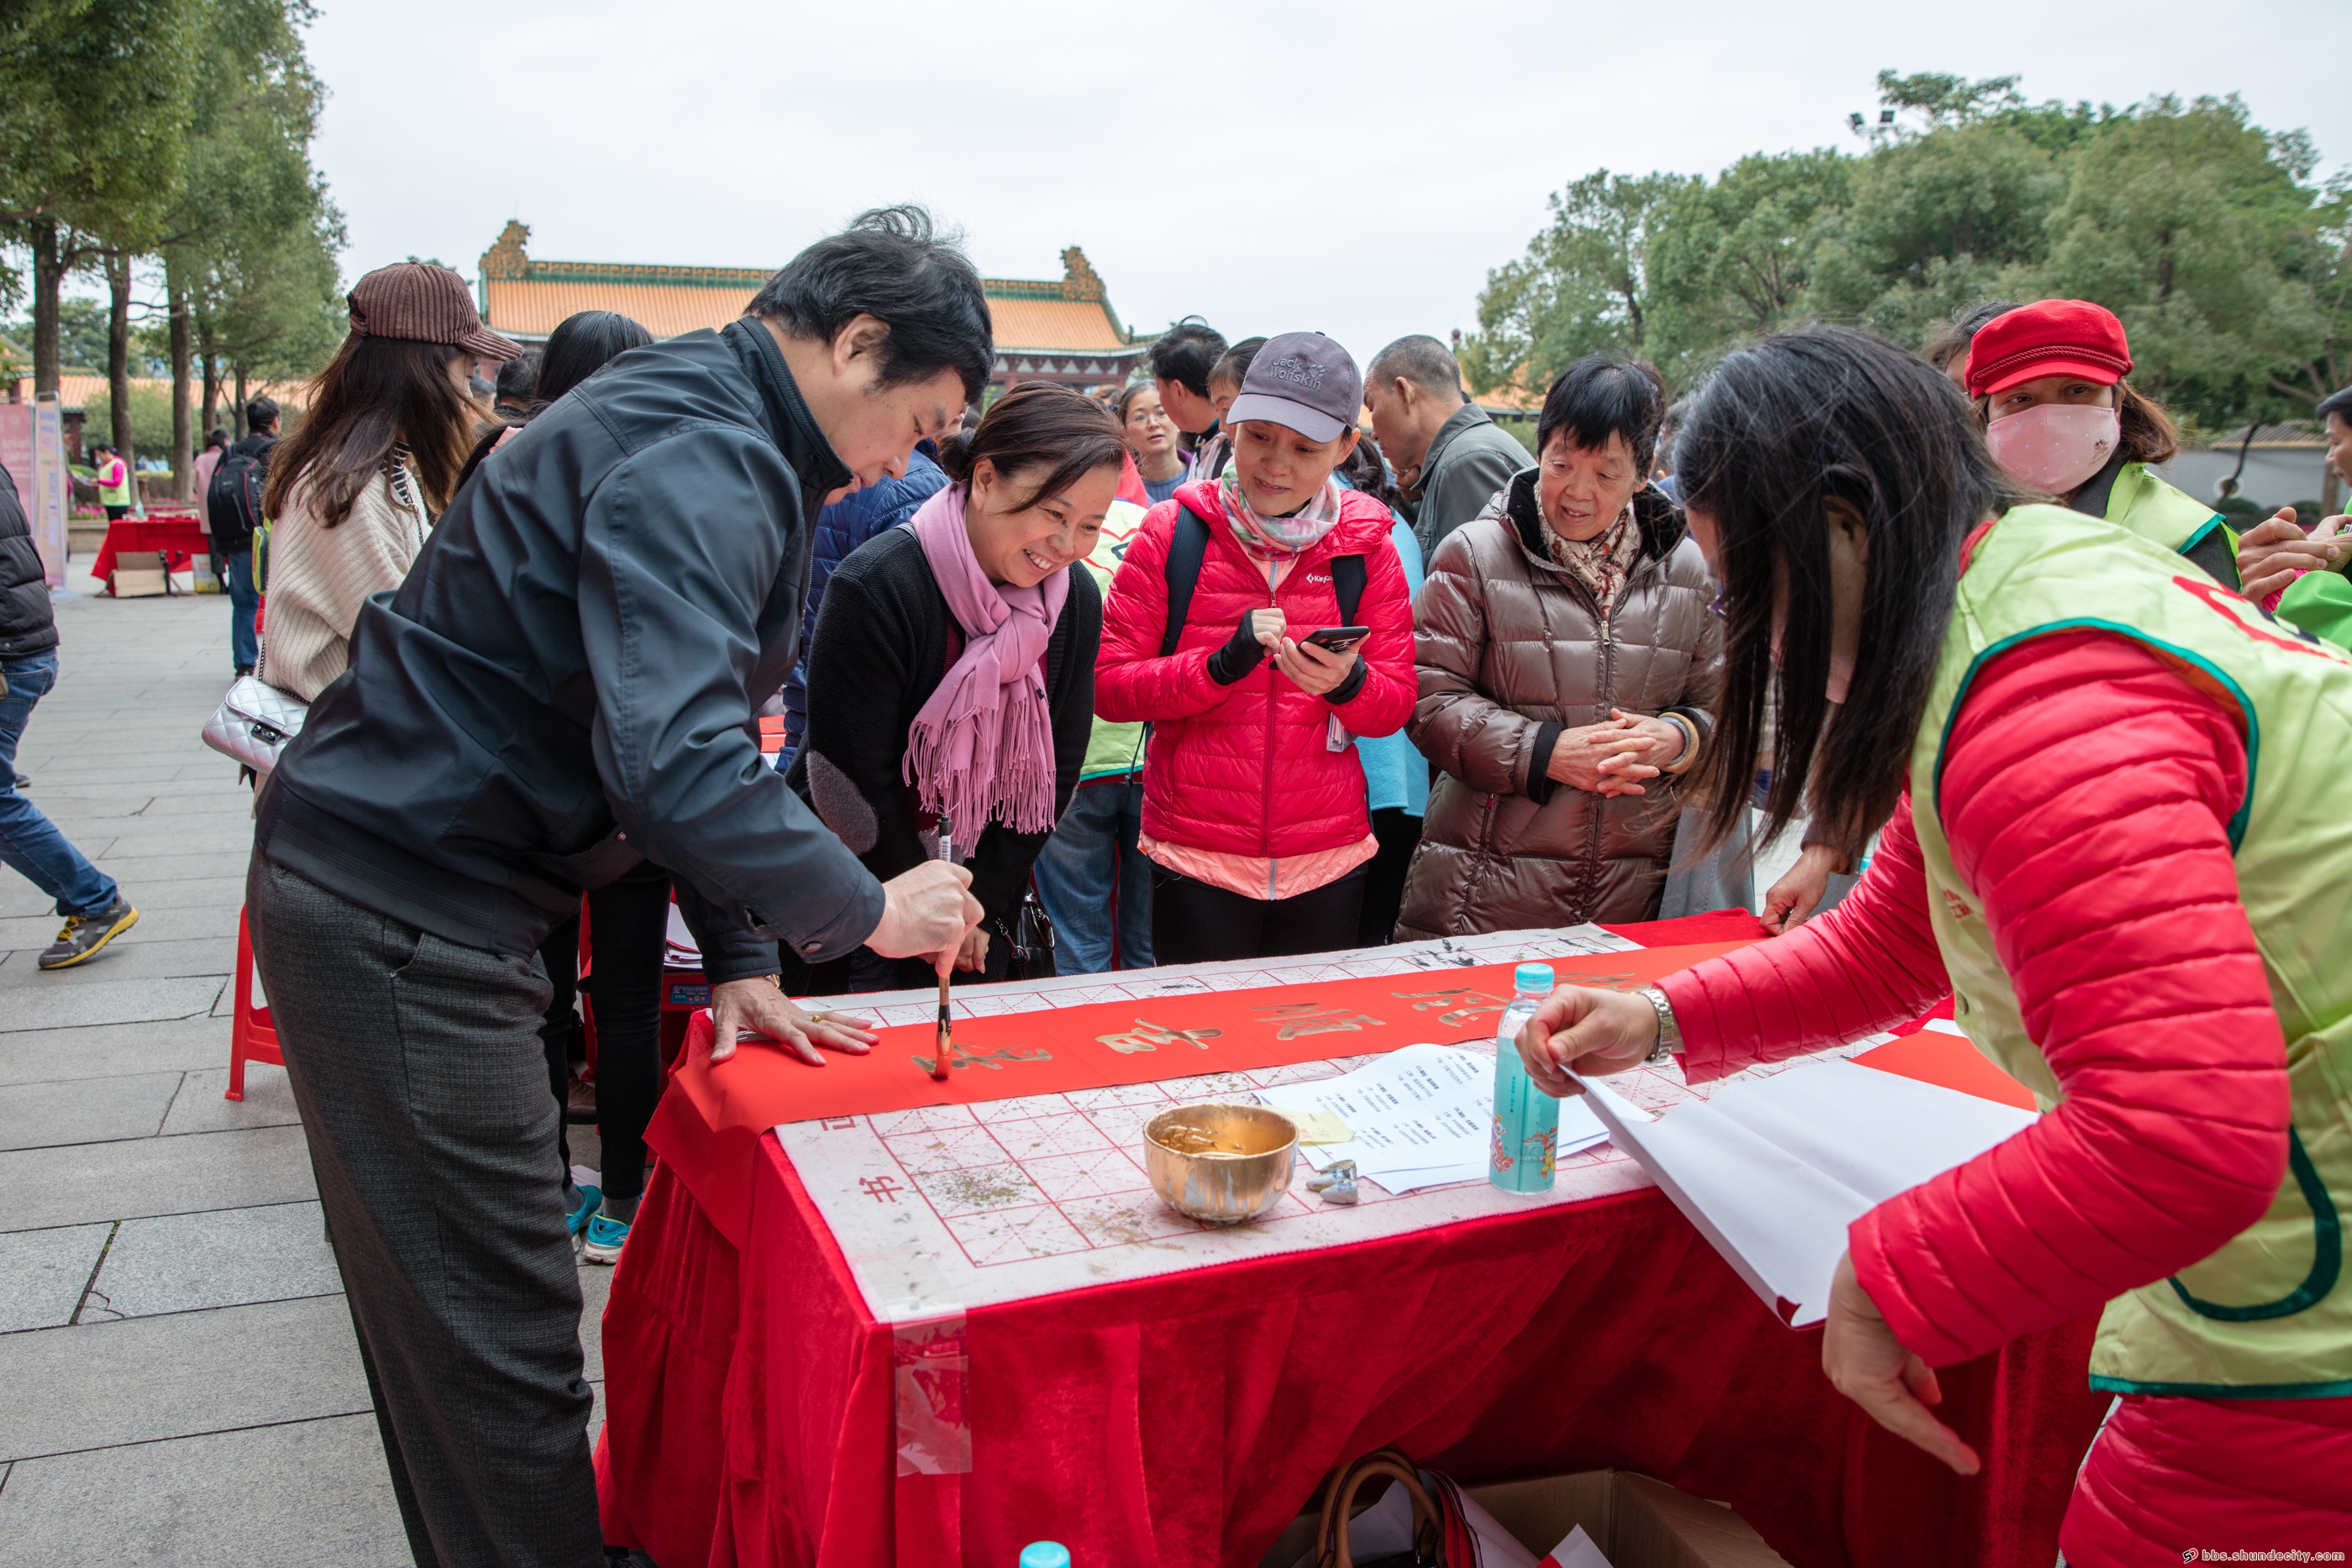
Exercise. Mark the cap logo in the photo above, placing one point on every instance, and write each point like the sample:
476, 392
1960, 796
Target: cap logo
1299, 371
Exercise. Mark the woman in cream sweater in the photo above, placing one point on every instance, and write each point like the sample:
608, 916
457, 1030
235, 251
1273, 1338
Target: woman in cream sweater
354, 490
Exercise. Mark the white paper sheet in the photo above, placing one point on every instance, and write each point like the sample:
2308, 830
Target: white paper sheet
1773, 1170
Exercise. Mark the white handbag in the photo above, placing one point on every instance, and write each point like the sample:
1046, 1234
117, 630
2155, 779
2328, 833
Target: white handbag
254, 722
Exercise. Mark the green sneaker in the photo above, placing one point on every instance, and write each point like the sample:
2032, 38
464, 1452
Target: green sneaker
84, 935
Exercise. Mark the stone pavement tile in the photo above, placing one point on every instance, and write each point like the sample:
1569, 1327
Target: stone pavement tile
237, 801
83, 1182
62, 773
203, 1105
133, 955
31, 1006
218, 866
228, 1258
42, 1274
21, 898
85, 1111
94, 1386
208, 923
84, 804
596, 1290
219, 833
104, 1051
299, 1495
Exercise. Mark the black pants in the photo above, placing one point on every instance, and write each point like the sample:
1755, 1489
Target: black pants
627, 921
1192, 922
417, 1067
1400, 835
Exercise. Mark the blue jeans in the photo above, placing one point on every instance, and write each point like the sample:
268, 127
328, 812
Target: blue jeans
29, 840
1095, 883
244, 649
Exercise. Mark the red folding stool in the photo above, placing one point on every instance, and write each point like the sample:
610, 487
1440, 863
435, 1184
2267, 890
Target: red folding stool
251, 1037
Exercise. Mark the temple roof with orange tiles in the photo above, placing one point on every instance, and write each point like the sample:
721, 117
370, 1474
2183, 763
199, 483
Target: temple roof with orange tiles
1060, 330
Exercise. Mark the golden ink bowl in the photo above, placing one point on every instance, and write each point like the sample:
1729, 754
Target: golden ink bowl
1218, 1163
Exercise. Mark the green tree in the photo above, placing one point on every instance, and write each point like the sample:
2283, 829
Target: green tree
1737, 257
1581, 288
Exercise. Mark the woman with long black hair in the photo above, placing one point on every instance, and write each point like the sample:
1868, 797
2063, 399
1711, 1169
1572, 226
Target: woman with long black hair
2059, 724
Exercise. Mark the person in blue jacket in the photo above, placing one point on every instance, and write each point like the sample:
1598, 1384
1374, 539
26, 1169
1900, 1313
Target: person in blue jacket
840, 528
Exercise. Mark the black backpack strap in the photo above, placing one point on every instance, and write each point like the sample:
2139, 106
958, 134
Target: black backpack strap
1187, 547
1348, 583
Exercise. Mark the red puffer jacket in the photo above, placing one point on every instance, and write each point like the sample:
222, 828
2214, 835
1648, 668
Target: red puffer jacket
1246, 768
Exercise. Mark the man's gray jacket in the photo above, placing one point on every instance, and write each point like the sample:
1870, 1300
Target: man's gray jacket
1469, 459
564, 685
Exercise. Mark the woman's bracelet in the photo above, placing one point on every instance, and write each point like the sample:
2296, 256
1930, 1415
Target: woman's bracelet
1670, 1033
1682, 764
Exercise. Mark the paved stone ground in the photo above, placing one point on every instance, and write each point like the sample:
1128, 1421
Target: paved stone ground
178, 1380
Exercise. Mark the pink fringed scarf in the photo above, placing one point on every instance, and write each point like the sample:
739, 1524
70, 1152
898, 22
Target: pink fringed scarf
981, 749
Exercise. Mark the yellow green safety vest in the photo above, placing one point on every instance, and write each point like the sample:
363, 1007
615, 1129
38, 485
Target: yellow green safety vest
2267, 1315
2174, 520
116, 494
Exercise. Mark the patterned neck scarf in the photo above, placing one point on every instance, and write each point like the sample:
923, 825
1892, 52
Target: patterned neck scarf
1602, 562
1278, 539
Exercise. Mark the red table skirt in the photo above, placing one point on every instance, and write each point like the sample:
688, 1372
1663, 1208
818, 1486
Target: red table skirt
178, 536
1182, 1420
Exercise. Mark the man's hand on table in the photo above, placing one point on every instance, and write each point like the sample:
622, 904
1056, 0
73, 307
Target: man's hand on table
755, 1007
1595, 1031
1894, 1387
927, 911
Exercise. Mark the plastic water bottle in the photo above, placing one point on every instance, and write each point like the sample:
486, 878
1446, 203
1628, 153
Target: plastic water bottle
1527, 1119
1044, 1554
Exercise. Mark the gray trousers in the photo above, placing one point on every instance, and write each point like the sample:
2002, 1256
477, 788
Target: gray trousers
423, 1086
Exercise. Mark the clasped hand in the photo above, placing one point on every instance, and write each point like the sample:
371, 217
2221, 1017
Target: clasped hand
1313, 670
2273, 550
1614, 759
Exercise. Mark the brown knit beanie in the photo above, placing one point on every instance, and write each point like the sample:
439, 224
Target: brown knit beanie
427, 304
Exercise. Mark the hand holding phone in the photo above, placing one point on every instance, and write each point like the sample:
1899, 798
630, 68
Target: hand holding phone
1337, 639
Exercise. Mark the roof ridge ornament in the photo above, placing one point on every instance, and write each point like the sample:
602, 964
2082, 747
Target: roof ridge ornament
1079, 280
505, 259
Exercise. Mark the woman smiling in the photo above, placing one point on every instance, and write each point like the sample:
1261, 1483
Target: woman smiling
1568, 661
952, 670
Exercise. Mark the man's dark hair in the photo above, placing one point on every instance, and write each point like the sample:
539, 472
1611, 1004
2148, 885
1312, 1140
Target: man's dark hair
1186, 353
894, 264
518, 378
581, 344
1233, 365
1600, 396
261, 412
2337, 401
218, 437
1423, 361
1779, 431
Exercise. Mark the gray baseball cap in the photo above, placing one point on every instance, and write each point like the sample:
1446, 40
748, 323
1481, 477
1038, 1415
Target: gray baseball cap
1302, 382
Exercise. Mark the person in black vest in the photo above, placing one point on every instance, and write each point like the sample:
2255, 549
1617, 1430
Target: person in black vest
95, 910
233, 510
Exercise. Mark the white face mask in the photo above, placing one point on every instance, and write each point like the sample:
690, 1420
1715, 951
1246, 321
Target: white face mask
2056, 447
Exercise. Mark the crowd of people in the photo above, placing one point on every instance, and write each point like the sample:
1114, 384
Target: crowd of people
1267, 653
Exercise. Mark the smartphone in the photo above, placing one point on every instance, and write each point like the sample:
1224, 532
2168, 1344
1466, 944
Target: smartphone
1337, 639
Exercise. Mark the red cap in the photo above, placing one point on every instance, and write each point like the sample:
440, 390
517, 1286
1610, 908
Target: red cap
2055, 338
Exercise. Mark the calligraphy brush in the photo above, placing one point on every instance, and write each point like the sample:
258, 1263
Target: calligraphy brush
939, 1052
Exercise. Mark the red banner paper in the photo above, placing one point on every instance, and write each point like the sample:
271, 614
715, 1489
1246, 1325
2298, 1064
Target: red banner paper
711, 1117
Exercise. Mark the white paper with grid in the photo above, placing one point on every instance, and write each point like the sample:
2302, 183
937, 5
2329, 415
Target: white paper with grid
967, 1206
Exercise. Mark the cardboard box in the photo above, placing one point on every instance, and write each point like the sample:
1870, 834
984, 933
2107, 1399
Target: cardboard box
1636, 1521
138, 582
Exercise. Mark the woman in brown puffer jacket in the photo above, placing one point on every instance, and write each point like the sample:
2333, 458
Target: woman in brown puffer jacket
1568, 663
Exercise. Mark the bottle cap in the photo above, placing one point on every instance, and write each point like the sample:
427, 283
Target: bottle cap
1044, 1554
1533, 977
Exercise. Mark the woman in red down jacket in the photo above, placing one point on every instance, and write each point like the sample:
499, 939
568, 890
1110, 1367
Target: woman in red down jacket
2086, 794
1253, 800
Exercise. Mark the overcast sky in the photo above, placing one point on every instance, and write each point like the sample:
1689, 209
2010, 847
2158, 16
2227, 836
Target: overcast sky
1277, 166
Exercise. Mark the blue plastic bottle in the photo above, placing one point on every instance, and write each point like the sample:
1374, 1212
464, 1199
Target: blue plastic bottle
1044, 1554
1527, 1119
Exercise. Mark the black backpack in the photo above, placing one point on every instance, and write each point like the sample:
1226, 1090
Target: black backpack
1190, 546
232, 500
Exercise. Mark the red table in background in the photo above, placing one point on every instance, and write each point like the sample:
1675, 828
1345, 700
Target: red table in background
176, 534
1182, 1419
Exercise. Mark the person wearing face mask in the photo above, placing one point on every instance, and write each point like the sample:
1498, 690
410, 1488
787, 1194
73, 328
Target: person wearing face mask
2048, 381
1568, 664
952, 671
1254, 806
2059, 727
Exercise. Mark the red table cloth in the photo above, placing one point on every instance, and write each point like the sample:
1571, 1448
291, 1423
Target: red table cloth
1183, 1419
176, 535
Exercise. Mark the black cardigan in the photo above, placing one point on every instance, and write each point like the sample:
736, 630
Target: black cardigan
881, 648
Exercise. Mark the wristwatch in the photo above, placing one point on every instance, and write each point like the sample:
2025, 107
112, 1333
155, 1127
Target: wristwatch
1670, 1033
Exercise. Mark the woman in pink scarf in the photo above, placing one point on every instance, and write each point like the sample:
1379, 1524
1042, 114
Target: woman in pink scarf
952, 669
